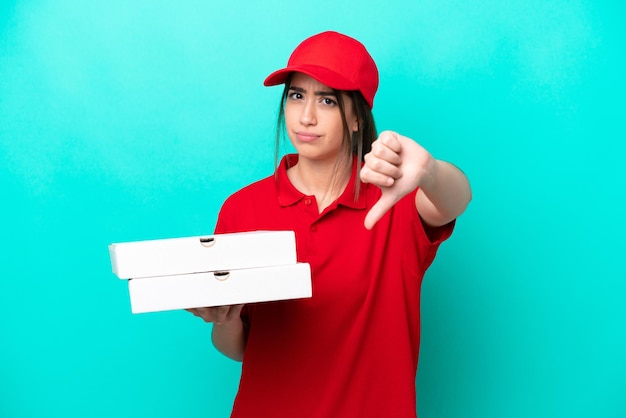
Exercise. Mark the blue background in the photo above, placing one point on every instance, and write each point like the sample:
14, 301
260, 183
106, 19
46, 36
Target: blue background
123, 121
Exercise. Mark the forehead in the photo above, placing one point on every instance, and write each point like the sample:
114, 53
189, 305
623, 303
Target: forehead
301, 80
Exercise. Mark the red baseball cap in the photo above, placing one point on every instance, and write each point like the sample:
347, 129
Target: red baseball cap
333, 59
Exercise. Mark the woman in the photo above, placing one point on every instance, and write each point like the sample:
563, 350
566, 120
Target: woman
368, 214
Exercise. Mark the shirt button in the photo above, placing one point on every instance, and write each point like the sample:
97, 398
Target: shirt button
307, 201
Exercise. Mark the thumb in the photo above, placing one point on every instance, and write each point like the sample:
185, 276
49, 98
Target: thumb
386, 202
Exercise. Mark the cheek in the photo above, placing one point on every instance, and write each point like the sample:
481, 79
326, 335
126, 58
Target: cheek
290, 116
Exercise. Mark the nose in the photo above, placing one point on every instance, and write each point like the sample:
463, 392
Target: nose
308, 116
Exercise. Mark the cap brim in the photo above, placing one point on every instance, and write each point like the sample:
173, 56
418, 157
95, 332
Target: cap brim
321, 74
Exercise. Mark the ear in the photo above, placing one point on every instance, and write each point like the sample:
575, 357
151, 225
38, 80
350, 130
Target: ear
355, 124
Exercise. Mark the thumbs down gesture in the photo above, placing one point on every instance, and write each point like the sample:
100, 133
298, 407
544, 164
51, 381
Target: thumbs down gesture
398, 165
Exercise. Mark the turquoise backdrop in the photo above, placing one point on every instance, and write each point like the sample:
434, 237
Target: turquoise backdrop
123, 121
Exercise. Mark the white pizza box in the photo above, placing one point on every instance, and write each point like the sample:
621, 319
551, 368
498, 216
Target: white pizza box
163, 293
171, 256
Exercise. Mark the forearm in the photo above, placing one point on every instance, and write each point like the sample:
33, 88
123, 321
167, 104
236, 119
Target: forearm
230, 338
444, 196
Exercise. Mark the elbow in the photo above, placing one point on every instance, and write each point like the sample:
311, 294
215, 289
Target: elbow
238, 357
467, 198
464, 193
232, 345
233, 353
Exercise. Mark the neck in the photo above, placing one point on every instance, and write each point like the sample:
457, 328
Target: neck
324, 180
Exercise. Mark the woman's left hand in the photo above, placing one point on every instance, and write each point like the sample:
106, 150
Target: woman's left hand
398, 165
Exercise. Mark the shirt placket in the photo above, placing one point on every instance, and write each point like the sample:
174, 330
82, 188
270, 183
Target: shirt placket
310, 207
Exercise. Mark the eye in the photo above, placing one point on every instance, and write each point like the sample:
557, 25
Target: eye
294, 95
328, 101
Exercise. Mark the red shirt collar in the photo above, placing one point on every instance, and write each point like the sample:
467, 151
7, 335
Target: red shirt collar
288, 195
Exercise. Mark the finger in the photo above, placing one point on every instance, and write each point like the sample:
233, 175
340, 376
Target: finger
204, 313
380, 151
383, 166
390, 140
220, 313
196, 311
379, 179
379, 209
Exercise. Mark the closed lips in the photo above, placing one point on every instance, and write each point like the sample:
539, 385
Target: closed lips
307, 136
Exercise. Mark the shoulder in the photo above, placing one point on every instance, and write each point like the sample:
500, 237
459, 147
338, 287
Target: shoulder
259, 188
241, 209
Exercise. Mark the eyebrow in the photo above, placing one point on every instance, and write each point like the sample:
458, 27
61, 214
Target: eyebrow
317, 93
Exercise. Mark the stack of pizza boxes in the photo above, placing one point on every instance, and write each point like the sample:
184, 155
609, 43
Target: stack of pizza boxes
215, 270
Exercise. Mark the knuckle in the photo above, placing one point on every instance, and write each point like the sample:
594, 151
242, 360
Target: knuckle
378, 165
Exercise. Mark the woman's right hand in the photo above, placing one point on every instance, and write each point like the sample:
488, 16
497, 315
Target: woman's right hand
217, 314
